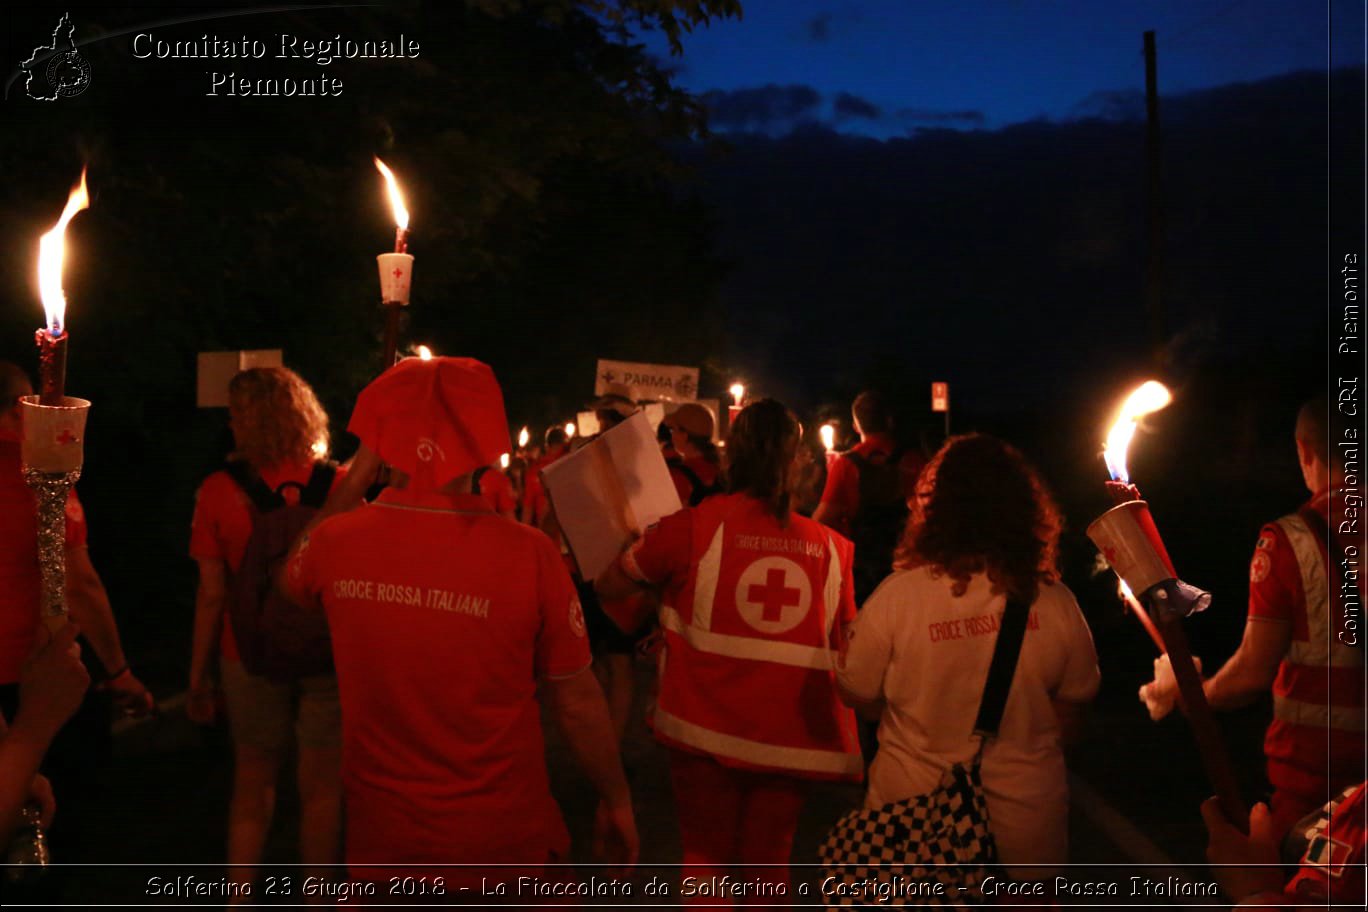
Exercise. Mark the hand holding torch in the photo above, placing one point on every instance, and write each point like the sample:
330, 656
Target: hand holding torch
1129, 540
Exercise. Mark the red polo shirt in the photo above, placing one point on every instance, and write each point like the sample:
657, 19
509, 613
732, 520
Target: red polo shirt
222, 523
20, 580
443, 618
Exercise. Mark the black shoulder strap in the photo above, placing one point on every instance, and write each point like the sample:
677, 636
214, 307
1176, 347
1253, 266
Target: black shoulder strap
694, 481
475, 479
320, 483
260, 494
1006, 651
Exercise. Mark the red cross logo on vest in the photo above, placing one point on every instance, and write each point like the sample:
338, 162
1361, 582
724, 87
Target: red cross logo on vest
773, 595
398, 273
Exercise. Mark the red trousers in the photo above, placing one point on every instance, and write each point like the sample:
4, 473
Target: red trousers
735, 824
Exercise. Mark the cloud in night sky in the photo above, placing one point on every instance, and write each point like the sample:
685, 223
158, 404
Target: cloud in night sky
818, 28
1115, 104
766, 107
921, 116
853, 107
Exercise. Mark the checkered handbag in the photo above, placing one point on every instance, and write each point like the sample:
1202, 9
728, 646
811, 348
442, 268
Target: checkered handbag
892, 855
886, 856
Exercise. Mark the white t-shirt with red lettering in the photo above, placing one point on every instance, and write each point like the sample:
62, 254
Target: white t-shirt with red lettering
926, 652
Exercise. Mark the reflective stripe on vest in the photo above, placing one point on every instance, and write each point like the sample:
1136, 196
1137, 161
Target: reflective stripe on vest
757, 753
740, 647
1318, 715
705, 581
1320, 648
831, 594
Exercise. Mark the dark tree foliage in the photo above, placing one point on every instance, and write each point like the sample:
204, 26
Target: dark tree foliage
548, 221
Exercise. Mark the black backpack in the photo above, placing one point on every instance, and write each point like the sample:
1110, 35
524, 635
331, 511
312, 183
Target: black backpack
878, 521
275, 637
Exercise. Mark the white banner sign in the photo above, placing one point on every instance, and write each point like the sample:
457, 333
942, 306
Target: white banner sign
667, 382
607, 492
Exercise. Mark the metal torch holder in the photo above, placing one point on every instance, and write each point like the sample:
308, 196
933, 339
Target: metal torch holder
52, 454
51, 490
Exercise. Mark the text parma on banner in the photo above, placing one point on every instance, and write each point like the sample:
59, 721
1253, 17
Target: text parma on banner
668, 382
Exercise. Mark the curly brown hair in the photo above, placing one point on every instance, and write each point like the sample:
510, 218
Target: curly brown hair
276, 417
981, 508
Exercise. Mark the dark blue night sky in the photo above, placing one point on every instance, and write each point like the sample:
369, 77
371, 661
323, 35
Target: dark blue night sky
884, 67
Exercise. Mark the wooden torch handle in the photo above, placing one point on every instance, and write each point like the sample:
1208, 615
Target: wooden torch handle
1215, 757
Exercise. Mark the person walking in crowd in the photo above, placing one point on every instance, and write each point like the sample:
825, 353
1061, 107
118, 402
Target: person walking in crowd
87, 737
1294, 642
694, 463
754, 598
983, 529
535, 504
866, 491
449, 625
281, 438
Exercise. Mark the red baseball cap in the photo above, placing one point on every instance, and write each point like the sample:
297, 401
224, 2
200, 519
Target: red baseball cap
435, 420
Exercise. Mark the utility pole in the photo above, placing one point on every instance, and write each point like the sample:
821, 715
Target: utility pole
1154, 266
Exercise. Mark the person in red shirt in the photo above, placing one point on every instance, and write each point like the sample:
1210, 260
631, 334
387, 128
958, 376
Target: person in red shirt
866, 492
20, 582
450, 626
87, 737
281, 432
695, 467
535, 504
1297, 643
754, 604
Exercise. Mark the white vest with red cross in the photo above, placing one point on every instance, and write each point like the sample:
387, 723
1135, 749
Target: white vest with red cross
747, 675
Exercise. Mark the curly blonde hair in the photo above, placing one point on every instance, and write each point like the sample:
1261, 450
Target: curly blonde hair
982, 508
276, 417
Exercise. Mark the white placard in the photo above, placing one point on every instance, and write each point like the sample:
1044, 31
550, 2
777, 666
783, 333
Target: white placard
608, 491
217, 369
666, 382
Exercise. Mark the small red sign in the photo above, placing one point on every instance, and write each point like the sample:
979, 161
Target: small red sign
940, 397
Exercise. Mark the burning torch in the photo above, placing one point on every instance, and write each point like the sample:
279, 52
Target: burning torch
1129, 540
52, 449
396, 269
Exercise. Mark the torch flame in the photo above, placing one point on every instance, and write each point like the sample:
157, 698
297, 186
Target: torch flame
396, 196
569, 429
828, 432
424, 353
523, 437
51, 250
504, 460
1150, 396
738, 393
